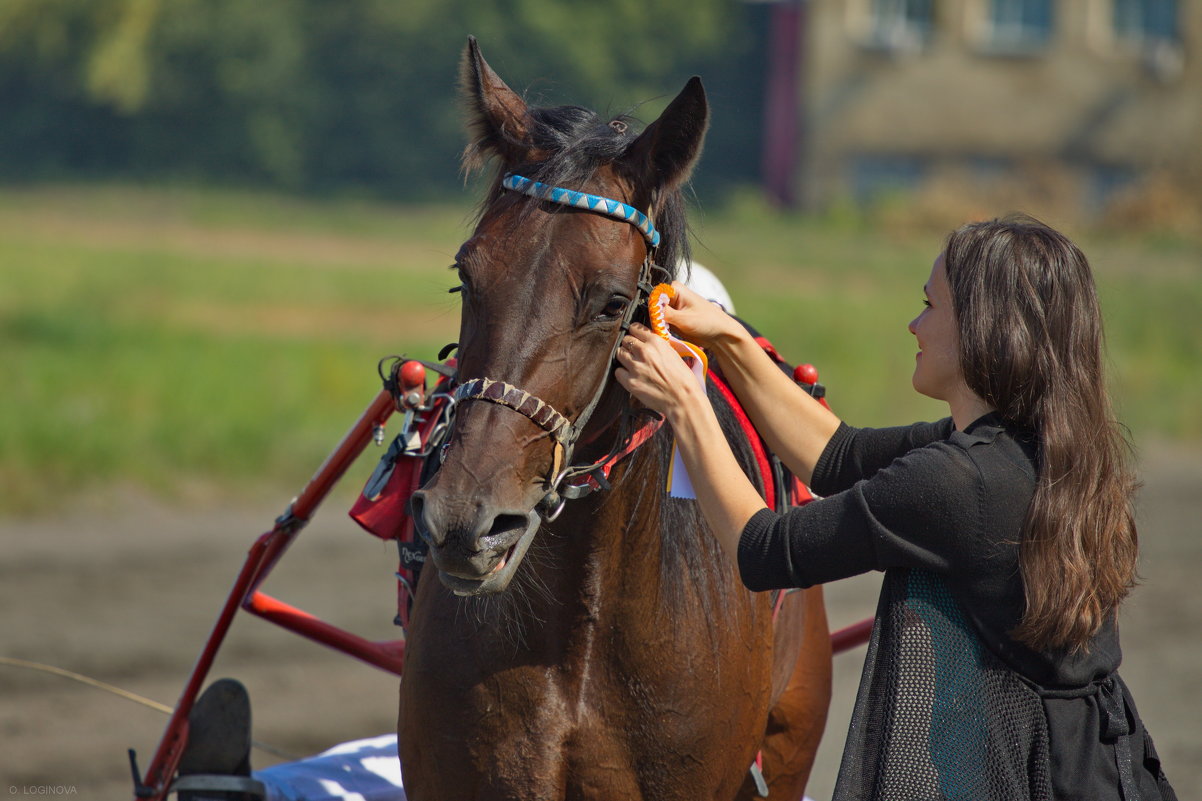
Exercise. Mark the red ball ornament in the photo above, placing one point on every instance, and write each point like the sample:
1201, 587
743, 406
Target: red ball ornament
805, 374
412, 374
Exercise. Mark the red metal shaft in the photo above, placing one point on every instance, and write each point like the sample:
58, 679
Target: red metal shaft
851, 636
388, 656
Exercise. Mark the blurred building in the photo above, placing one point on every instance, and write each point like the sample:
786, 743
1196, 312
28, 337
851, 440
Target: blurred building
1091, 95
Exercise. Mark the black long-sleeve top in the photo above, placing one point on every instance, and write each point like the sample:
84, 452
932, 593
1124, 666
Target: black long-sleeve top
924, 496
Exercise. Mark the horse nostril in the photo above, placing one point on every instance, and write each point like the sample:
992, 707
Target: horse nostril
417, 511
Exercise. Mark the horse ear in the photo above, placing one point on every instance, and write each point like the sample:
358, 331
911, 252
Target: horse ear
497, 115
664, 154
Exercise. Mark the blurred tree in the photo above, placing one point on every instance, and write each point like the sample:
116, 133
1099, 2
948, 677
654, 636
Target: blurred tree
117, 69
312, 95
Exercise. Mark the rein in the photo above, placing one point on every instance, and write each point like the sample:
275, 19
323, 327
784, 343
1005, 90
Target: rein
564, 432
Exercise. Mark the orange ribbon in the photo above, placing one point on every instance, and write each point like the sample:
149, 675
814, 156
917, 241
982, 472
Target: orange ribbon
679, 485
657, 301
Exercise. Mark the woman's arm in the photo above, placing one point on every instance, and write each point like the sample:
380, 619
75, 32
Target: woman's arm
796, 427
909, 514
658, 377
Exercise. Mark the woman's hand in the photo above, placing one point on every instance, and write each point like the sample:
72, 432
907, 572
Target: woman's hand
698, 320
654, 373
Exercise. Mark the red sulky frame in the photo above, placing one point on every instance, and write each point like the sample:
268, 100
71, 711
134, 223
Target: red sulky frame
262, 558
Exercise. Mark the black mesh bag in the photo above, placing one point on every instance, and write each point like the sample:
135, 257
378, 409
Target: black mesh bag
938, 716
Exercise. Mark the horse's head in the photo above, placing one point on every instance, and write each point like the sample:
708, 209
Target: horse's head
546, 291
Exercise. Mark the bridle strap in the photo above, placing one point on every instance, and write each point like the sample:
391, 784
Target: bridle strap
586, 479
541, 413
583, 200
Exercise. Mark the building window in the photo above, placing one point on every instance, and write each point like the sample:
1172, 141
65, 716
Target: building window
1015, 27
1151, 28
893, 25
1146, 20
876, 176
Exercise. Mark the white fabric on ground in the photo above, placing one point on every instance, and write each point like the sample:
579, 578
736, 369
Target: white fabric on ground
362, 770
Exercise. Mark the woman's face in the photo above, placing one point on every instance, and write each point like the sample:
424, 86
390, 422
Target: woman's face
937, 372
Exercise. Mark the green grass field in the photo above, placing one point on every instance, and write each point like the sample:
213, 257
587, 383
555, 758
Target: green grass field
202, 341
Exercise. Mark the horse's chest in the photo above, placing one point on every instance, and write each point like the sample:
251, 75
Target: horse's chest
608, 734
612, 715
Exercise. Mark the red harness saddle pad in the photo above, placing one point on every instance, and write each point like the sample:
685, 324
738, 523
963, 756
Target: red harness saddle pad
382, 508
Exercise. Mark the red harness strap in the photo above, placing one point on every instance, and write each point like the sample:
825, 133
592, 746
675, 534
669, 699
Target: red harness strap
758, 448
644, 433
804, 375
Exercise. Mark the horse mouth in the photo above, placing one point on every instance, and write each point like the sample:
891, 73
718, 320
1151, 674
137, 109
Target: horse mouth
497, 577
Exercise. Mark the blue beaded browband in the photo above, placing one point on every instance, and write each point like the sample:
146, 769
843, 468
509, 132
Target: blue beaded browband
582, 200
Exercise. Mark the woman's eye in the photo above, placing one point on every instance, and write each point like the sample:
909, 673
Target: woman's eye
613, 309
926, 303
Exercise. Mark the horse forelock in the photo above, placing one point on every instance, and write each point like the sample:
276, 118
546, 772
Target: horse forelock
570, 147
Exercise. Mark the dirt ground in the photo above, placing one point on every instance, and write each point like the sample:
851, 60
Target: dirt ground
125, 590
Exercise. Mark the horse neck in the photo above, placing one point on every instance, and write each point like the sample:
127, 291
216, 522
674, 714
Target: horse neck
626, 549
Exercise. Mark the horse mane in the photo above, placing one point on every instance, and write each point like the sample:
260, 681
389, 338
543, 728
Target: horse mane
574, 142
687, 556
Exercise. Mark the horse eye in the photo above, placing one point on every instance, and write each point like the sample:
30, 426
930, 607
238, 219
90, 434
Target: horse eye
464, 284
614, 309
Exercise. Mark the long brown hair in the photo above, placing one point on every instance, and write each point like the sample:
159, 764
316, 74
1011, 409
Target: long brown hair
1031, 346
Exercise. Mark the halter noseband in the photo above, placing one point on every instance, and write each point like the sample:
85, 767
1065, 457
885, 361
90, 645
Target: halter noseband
564, 432
539, 411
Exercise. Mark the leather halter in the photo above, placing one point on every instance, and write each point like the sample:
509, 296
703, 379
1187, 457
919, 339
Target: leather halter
564, 432
539, 411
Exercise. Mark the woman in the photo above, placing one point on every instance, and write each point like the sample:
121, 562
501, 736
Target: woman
1005, 531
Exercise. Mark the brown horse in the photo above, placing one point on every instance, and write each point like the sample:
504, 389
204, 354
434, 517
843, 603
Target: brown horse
599, 648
